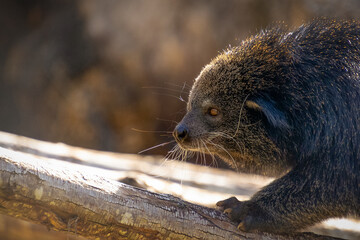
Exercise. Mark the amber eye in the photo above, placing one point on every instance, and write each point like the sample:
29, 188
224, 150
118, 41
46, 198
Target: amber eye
213, 112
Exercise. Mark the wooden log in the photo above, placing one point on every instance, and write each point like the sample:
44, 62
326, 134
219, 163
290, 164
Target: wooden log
71, 197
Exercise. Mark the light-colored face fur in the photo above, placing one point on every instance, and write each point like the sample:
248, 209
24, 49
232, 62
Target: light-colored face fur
224, 116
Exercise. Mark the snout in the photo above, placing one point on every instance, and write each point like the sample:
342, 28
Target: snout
181, 132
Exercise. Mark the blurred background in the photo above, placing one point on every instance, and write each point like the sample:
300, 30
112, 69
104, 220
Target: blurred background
87, 72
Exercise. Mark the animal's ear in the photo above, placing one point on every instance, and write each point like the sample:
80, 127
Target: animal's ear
274, 116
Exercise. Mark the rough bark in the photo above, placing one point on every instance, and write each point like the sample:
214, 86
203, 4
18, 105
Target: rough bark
70, 197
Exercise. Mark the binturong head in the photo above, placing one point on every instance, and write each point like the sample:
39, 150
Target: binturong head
231, 113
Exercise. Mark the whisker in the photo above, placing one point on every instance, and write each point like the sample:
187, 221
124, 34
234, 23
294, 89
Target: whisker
166, 135
156, 146
185, 155
197, 157
149, 131
239, 122
183, 87
164, 88
228, 136
173, 154
251, 124
202, 154
166, 120
169, 95
165, 159
182, 90
202, 157
226, 151
180, 155
211, 154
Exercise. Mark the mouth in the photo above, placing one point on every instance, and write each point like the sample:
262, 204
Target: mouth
198, 145
188, 147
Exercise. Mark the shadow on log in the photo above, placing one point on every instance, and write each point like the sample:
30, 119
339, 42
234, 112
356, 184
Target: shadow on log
85, 200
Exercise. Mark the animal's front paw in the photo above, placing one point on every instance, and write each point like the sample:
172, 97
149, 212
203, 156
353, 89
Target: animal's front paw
248, 215
233, 208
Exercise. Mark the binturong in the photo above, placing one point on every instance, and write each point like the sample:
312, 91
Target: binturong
285, 104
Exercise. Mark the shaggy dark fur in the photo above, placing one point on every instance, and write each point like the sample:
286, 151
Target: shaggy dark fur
284, 104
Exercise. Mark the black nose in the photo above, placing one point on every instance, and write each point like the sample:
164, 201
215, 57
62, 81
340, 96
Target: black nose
181, 132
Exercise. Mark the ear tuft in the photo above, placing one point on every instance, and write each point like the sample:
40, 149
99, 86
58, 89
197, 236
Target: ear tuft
274, 116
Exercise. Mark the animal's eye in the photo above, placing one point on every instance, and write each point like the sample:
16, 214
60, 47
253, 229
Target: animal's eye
213, 112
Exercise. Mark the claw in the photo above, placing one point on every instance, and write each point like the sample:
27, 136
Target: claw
228, 211
241, 226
